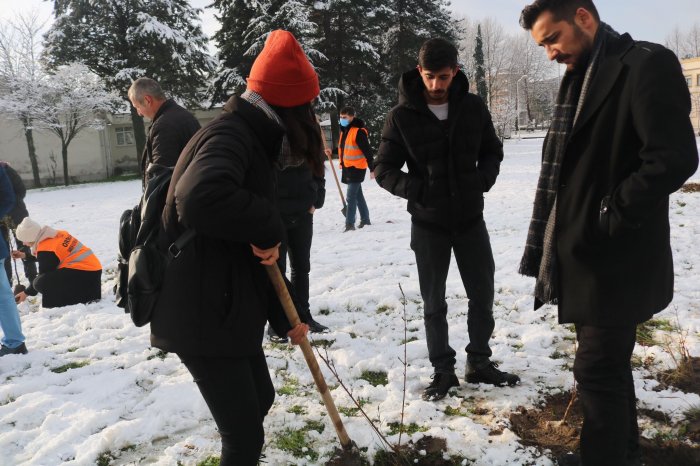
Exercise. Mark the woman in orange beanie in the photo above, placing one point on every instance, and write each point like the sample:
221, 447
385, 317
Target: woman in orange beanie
216, 297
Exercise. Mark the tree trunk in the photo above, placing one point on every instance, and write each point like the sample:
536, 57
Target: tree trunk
64, 155
32, 153
139, 133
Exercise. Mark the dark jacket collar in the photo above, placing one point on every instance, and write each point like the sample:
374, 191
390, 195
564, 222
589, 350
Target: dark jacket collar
411, 89
605, 78
268, 132
165, 106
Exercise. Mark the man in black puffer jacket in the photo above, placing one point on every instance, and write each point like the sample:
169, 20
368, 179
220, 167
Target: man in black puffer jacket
447, 140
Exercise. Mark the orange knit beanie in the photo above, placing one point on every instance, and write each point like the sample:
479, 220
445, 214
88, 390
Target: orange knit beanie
282, 74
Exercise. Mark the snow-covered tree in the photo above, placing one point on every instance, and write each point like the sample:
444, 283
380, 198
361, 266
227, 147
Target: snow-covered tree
72, 99
348, 35
20, 74
234, 65
121, 40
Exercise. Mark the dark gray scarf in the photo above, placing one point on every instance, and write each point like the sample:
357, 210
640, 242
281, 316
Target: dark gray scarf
286, 158
539, 258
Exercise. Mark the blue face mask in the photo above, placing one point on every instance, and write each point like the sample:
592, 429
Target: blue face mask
344, 122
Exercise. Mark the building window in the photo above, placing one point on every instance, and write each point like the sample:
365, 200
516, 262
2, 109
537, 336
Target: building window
698, 83
125, 136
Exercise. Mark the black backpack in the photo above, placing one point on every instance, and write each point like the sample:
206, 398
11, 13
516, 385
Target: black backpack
144, 253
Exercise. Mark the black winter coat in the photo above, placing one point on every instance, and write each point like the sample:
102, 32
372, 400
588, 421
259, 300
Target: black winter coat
216, 297
19, 211
631, 146
298, 190
170, 130
354, 174
449, 169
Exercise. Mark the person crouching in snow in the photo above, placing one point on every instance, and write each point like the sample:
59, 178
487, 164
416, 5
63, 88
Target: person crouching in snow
216, 296
69, 272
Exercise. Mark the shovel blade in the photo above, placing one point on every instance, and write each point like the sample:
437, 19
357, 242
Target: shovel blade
344, 211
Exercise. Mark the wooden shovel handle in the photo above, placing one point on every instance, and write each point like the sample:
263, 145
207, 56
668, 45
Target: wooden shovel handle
288, 305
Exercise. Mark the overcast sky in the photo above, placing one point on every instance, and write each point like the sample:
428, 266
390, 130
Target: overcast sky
648, 20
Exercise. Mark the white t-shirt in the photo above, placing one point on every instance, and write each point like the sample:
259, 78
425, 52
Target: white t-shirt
440, 111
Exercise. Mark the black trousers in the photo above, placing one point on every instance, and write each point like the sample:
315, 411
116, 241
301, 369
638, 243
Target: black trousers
239, 394
300, 232
603, 372
63, 287
472, 250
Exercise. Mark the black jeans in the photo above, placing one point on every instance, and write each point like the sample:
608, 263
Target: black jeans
603, 372
472, 250
239, 393
300, 231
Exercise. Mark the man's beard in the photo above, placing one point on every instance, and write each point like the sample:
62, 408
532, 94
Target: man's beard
582, 60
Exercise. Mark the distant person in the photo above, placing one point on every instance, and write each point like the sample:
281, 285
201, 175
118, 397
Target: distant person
12, 336
10, 222
69, 272
445, 137
171, 126
301, 189
599, 242
355, 155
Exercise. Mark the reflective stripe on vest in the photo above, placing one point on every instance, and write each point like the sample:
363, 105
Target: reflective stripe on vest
71, 253
350, 154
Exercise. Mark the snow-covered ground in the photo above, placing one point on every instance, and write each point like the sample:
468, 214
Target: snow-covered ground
125, 402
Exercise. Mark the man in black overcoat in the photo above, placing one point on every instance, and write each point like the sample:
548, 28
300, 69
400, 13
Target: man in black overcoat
620, 143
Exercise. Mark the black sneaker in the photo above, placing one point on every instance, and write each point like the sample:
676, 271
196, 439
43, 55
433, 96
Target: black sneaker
569, 459
274, 338
315, 327
489, 373
363, 223
349, 227
21, 349
438, 388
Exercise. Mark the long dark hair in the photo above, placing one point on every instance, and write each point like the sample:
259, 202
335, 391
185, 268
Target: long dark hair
304, 134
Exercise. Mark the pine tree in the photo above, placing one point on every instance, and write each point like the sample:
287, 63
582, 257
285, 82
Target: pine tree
245, 27
409, 23
121, 40
479, 72
235, 17
348, 35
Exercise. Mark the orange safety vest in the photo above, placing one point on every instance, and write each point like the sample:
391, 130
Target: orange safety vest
72, 254
350, 154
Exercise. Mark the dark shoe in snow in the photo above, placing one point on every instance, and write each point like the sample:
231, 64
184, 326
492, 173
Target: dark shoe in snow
315, 327
363, 223
441, 384
274, 338
489, 373
21, 349
569, 459
349, 227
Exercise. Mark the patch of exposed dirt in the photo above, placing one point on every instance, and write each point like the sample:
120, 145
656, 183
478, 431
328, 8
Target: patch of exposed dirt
427, 451
690, 188
543, 429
